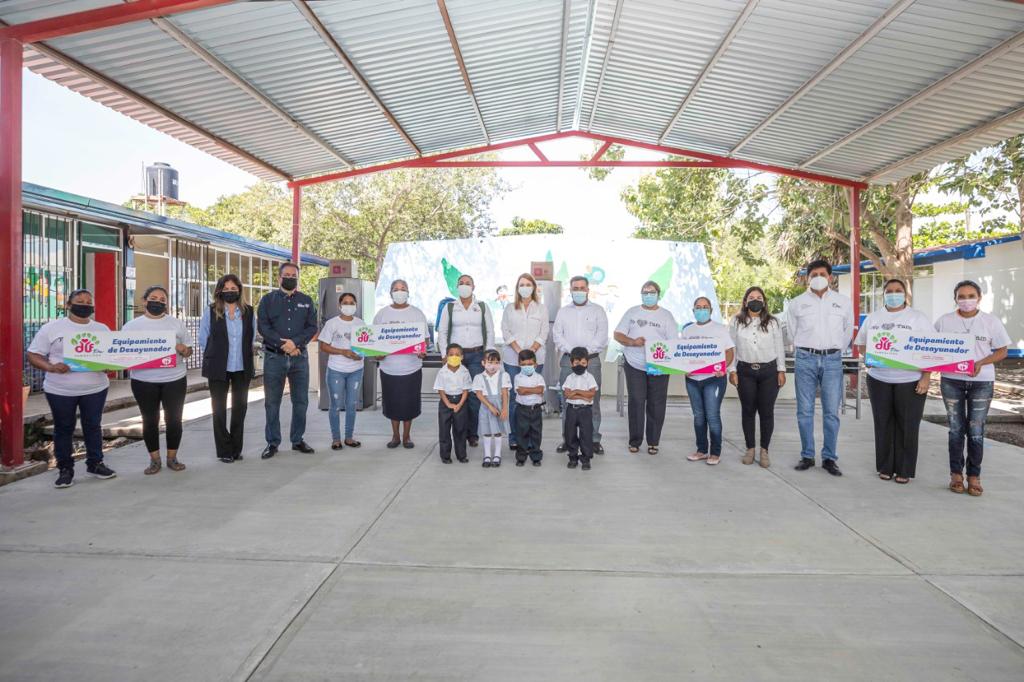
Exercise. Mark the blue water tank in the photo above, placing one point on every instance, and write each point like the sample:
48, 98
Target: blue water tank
161, 180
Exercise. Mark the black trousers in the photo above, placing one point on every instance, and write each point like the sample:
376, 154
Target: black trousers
453, 428
896, 410
758, 389
229, 441
647, 397
578, 435
529, 423
150, 395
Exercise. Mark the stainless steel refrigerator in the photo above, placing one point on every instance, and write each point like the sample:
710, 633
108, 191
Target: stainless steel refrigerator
551, 296
327, 304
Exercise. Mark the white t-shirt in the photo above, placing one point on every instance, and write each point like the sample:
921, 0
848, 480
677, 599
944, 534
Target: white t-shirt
580, 382
710, 330
488, 385
530, 382
453, 383
989, 334
337, 333
909, 320
49, 342
167, 323
407, 363
653, 325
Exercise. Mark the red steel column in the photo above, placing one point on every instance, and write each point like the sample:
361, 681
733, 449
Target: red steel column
855, 257
296, 221
11, 322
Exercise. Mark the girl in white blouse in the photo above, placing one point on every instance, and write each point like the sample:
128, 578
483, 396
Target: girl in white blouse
760, 369
524, 326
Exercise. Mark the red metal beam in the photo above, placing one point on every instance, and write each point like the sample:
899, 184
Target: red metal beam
101, 17
854, 195
456, 159
296, 222
12, 432
536, 150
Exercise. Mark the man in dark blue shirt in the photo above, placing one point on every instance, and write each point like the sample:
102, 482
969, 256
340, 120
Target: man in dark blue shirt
286, 319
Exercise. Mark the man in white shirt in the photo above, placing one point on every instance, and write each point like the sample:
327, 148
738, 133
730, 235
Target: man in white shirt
582, 323
820, 325
468, 323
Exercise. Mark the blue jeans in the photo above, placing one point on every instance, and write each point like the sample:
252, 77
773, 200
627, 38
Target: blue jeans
474, 362
64, 409
706, 403
814, 371
967, 404
513, 371
277, 368
344, 387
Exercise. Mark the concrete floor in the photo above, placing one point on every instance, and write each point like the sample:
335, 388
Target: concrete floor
377, 564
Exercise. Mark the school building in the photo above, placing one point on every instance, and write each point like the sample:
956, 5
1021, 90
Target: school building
996, 264
71, 241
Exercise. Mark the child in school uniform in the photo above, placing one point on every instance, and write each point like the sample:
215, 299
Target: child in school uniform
491, 388
579, 389
452, 384
530, 387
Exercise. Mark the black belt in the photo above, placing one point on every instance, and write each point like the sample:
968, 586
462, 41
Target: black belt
278, 351
579, 407
454, 398
755, 365
520, 406
827, 351
475, 349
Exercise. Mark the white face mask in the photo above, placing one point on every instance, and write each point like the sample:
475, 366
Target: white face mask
465, 290
525, 291
400, 297
818, 283
348, 310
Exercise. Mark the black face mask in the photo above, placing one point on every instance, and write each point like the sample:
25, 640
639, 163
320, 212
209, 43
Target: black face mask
755, 306
579, 369
82, 310
230, 296
289, 283
156, 307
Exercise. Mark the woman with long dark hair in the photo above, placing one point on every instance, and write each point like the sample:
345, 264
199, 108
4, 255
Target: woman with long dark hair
162, 386
226, 334
760, 369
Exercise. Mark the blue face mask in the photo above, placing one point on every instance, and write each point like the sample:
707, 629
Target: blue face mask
649, 299
894, 300
702, 315
528, 370
579, 297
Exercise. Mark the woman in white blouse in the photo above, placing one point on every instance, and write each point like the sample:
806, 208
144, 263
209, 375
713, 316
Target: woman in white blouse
760, 369
524, 326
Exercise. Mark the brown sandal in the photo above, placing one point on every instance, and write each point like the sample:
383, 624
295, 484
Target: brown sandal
956, 483
153, 468
174, 465
974, 488
885, 477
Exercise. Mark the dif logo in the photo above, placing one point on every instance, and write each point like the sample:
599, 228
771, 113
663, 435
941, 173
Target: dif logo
84, 343
363, 334
961, 367
659, 351
884, 341
166, 362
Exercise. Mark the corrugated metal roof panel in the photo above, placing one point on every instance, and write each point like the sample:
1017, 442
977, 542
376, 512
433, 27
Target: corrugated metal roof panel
924, 44
629, 85
402, 49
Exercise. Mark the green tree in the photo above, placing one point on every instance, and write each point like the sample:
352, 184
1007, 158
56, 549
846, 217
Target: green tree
992, 181
359, 218
531, 226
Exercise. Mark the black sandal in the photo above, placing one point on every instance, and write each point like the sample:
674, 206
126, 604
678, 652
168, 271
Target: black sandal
885, 477
352, 443
634, 449
393, 444
336, 445
652, 450
902, 481
408, 445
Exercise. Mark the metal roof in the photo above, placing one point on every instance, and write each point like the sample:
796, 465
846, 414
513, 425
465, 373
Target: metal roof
871, 90
40, 198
